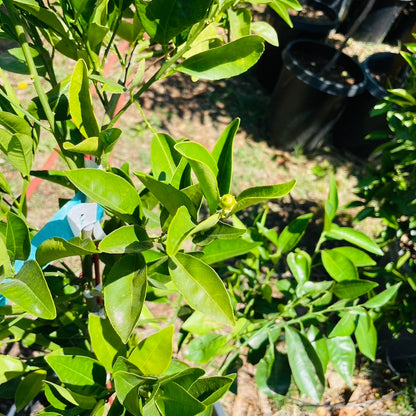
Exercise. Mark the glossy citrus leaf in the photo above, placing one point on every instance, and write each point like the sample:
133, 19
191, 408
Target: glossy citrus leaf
105, 342
220, 250
383, 297
224, 61
292, 234
207, 346
124, 292
80, 102
354, 237
110, 191
174, 400
305, 365
163, 19
300, 263
266, 31
345, 326
338, 266
127, 239
170, 197
223, 156
258, 194
201, 287
366, 336
10, 367
58, 248
342, 356
205, 169
351, 289
30, 291
179, 228
76, 368
164, 158
153, 355
17, 237
30, 386
357, 256
209, 390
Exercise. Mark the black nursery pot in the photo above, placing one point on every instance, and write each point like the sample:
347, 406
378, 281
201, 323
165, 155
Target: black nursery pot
270, 63
380, 20
306, 102
355, 122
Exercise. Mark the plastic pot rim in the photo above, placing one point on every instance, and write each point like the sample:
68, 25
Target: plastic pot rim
373, 87
320, 83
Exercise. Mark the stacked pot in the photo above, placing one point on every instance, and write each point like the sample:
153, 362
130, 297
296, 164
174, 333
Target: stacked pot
316, 85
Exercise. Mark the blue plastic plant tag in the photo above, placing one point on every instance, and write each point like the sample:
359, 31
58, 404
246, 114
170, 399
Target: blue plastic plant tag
58, 226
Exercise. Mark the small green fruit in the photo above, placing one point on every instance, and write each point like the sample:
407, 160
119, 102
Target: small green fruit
228, 202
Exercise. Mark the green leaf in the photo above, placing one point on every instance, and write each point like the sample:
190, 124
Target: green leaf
225, 61
300, 264
357, 256
266, 31
345, 326
153, 355
174, 400
30, 386
366, 336
258, 194
207, 346
127, 239
80, 102
179, 229
54, 176
291, 235
105, 342
342, 356
90, 146
57, 248
5, 266
331, 204
239, 20
10, 368
200, 324
273, 375
4, 185
338, 266
164, 20
124, 293
77, 370
205, 168
110, 191
58, 396
126, 386
305, 365
30, 291
20, 152
17, 237
14, 124
220, 250
352, 289
382, 298
354, 237
164, 158
170, 197
201, 287
318, 341
209, 390
221, 230
223, 156
46, 16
